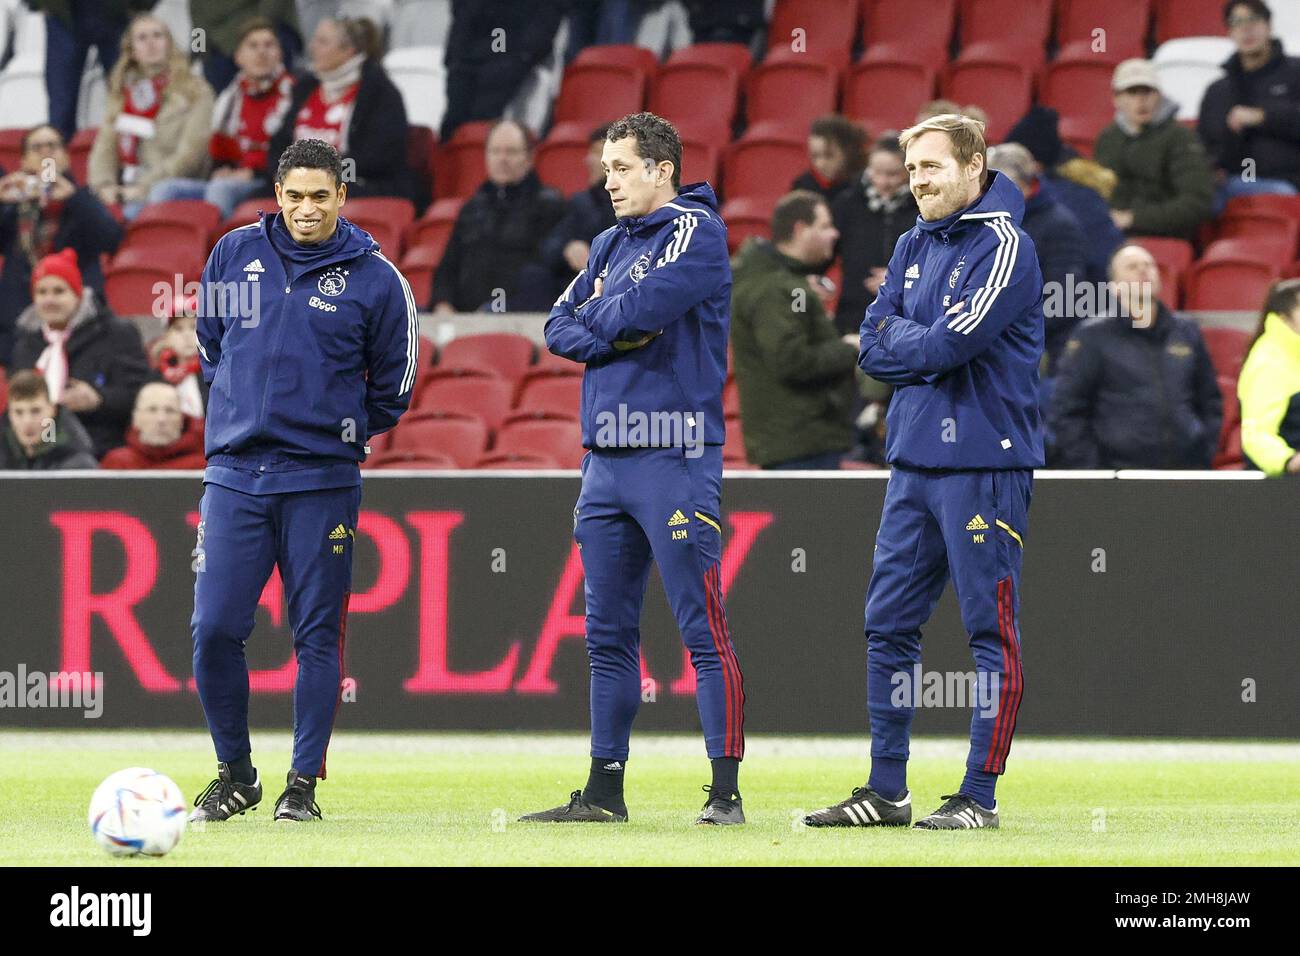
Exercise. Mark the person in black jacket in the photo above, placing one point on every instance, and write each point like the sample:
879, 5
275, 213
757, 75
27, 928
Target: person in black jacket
498, 233
587, 215
1135, 387
349, 101
42, 210
37, 434
1058, 241
837, 153
92, 361
870, 217
1250, 119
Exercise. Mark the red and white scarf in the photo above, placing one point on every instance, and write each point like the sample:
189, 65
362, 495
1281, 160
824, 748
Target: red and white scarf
53, 362
141, 100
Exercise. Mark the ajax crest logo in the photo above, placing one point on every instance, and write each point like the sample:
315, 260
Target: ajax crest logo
640, 268
332, 283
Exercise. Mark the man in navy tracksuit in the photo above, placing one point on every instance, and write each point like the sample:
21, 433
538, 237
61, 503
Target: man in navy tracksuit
649, 317
308, 338
958, 329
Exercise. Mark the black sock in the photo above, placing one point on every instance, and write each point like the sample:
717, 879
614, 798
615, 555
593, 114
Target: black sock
242, 770
726, 770
605, 785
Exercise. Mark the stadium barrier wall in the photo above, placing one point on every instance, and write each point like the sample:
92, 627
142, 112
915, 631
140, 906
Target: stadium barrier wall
1155, 607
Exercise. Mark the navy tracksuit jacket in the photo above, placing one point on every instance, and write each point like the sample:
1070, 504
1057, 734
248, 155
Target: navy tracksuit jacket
651, 485
309, 351
958, 328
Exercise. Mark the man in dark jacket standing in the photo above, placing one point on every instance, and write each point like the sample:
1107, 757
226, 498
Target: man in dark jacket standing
794, 371
1250, 119
498, 233
308, 337
1165, 187
1136, 388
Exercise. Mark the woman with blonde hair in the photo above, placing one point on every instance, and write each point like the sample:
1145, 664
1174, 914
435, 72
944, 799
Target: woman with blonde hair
1269, 385
158, 119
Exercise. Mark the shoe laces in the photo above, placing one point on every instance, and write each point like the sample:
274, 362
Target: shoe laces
297, 798
954, 802
575, 800
218, 792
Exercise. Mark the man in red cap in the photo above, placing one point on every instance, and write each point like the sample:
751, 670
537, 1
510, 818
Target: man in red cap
92, 361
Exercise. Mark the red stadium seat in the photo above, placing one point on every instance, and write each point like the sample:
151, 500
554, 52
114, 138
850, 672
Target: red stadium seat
1230, 456
918, 31
1079, 88
1276, 250
485, 398
763, 162
1000, 87
699, 162
247, 211
1228, 284
556, 395
386, 232
733, 447
369, 208
1081, 132
747, 216
1188, 18
186, 260
510, 355
1126, 23
1266, 202
700, 99
424, 367
434, 227
559, 158
1016, 28
734, 56
460, 369
791, 91
418, 265
1227, 348
1173, 258
130, 290
618, 54
514, 462
79, 153
885, 94
600, 92
174, 221
561, 440
821, 30
731, 400
11, 148
460, 165
411, 460
1278, 226
550, 366
463, 440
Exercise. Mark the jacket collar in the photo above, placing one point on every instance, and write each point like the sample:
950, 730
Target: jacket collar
348, 242
1275, 54
696, 198
1165, 113
1002, 199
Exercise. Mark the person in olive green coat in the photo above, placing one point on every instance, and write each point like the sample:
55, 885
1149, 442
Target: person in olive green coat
1165, 185
794, 370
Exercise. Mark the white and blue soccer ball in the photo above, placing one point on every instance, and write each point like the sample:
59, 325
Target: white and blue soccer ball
137, 811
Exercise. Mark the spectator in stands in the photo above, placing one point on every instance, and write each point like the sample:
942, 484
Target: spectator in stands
1164, 186
870, 218
1253, 113
157, 120
224, 25
247, 113
498, 232
485, 70
42, 210
1135, 387
175, 357
38, 435
1079, 184
1058, 242
837, 151
93, 362
161, 435
725, 21
795, 372
348, 100
1269, 385
72, 29
587, 215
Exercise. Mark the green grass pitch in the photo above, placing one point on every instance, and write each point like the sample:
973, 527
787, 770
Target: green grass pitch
453, 799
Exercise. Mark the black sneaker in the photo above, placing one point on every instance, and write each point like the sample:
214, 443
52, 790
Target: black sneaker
298, 802
577, 810
225, 797
960, 812
865, 808
721, 811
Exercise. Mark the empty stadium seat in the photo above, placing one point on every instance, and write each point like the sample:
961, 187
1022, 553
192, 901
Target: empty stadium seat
397, 458
186, 259
700, 99
247, 211
1274, 250
548, 366
1185, 82
11, 149
699, 161
428, 357
385, 218
1081, 132
1188, 18
129, 289
1275, 225
733, 446
821, 30
1126, 24
558, 395
628, 55
559, 158
460, 165
887, 94
792, 91
1079, 87
747, 216
734, 56
1227, 348
510, 355
763, 162
485, 398
599, 92
434, 228
1228, 284
418, 264
917, 31
174, 221
996, 29
1000, 87
463, 440
731, 400
1173, 257
1268, 202
560, 440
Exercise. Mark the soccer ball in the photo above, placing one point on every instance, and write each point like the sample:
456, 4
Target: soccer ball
137, 811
